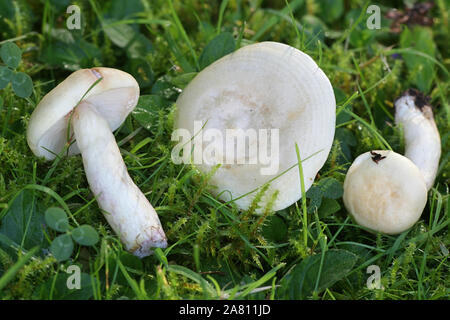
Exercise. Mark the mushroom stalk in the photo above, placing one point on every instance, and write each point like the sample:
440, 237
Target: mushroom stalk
125, 207
422, 140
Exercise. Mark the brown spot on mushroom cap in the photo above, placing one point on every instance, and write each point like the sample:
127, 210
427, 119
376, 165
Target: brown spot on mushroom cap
96, 73
295, 114
376, 157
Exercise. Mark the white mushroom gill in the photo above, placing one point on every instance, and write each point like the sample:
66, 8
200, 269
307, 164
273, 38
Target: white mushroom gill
114, 97
126, 208
273, 96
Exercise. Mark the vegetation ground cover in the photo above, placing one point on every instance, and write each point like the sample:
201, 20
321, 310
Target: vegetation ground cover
311, 250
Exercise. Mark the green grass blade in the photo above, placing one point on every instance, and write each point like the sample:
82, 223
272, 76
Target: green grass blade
303, 190
11, 272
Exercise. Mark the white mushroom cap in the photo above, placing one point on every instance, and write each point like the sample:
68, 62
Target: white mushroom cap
268, 86
114, 97
387, 194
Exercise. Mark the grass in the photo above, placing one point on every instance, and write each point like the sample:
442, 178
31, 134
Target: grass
214, 250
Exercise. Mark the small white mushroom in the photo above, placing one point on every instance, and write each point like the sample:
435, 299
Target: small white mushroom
102, 110
387, 192
384, 191
264, 88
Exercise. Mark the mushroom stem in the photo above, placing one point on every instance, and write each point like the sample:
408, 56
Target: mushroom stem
125, 207
422, 140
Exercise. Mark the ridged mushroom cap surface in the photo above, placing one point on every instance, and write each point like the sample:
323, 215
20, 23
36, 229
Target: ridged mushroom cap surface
261, 87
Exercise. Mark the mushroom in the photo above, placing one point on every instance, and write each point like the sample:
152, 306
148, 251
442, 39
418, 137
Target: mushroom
422, 141
387, 192
273, 96
384, 191
100, 111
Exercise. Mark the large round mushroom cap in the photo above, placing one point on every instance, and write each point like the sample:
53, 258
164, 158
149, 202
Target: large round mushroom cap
114, 97
275, 94
387, 194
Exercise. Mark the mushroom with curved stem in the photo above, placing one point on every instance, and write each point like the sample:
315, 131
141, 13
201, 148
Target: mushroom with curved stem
387, 192
102, 110
273, 96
